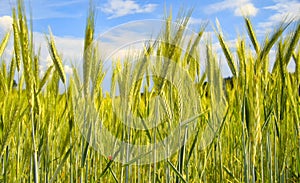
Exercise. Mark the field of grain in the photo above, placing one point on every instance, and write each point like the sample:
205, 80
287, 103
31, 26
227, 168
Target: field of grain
51, 136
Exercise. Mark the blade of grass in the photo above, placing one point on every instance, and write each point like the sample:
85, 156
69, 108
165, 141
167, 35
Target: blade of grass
58, 169
4, 42
176, 171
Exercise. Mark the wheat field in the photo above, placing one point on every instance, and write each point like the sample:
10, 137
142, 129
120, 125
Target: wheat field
257, 140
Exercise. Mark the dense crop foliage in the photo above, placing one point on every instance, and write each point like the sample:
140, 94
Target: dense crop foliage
258, 138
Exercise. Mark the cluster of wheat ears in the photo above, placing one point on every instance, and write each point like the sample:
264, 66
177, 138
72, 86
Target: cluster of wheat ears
258, 138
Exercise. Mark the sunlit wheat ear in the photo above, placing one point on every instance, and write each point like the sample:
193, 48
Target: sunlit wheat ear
257, 121
4, 42
76, 79
25, 52
266, 48
17, 48
226, 51
175, 49
296, 57
252, 35
3, 84
241, 53
45, 78
88, 50
97, 74
293, 44
56, 58
36, 67
95, 63
11, 73
192, 58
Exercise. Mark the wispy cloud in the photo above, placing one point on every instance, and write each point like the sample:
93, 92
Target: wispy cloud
197, 21
56, 9
239, 7
283, 11
5, 23
65, 3
42, 10
119, 8
247, 9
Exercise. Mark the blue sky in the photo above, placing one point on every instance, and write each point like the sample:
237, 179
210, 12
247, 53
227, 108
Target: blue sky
67, 18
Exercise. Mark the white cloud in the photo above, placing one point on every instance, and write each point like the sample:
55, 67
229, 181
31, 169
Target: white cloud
246, 9
118, 8
193, 21
69, 48
68, 70
5, 23
284, 11
239, 7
